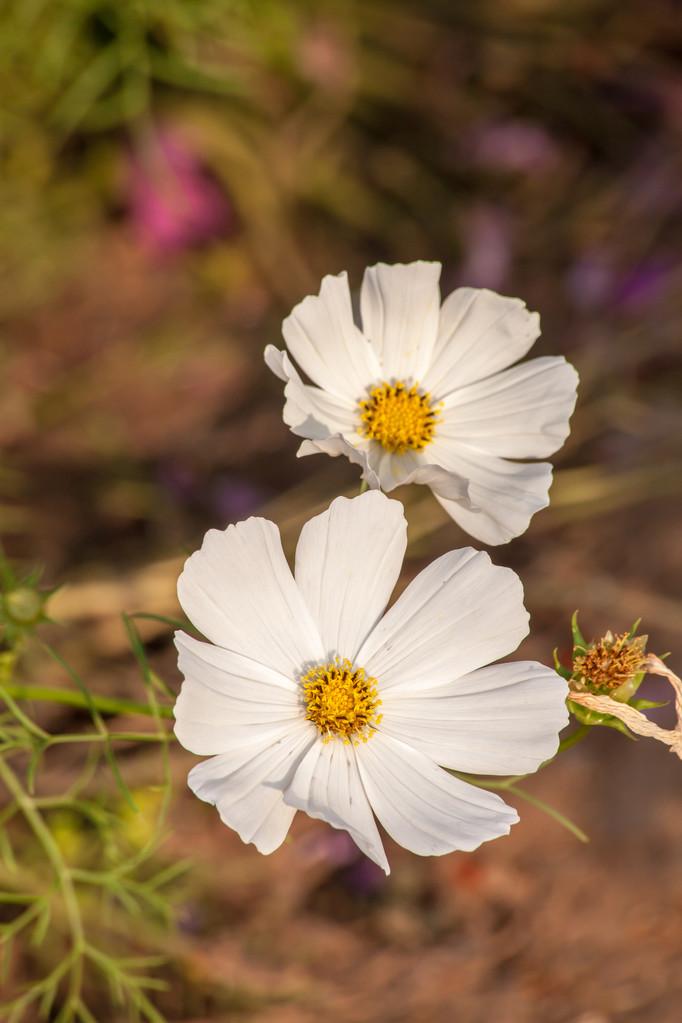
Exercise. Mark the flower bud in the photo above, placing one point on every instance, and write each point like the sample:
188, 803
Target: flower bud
23, 606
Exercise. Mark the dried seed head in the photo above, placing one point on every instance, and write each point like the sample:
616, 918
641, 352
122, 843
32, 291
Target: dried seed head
609, 663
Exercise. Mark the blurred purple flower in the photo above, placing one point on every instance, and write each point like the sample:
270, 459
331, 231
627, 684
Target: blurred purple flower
487, 248
338, 850
642, 285
593, 282
589, 281
178, 480
234, 498
364, 877
173, 201
514, 145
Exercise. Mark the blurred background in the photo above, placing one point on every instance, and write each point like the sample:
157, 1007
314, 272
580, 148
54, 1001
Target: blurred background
176, 175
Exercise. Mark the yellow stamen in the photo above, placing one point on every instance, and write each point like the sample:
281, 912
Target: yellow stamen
341, 701
398, 417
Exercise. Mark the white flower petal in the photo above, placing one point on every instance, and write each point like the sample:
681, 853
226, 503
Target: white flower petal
329, 348
393, 471
460, 613
502, 719
503, 496
522, 412
348, 560
400, 309
274, 360
480, 333
226, 697
327, 786
242, 784
309, 411
239, 592
335, 446
422, 807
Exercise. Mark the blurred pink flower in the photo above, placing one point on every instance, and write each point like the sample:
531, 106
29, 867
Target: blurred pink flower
173, 202
324, 57
487, 247
514, 145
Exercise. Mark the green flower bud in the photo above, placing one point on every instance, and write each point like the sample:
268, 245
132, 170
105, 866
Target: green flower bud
23, 606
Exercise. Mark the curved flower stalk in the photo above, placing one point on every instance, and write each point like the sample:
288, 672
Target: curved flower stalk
311, 696
428, 393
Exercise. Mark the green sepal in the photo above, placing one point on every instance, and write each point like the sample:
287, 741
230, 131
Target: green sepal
649, 704
628, 689
593, 717
578, 638
559, 667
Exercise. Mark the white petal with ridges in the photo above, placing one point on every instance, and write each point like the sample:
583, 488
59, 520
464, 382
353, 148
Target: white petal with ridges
242, 784
227, 698
348, 560
418, 467
327, 786
400, 310
239, 592
310, 411
326, 344
422, 807
480, 333
522, 412
460, 613
502, 719
503, 496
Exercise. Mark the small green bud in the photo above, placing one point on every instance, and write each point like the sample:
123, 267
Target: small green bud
24, 606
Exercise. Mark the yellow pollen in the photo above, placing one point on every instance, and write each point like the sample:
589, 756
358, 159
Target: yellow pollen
341, 701
400, 418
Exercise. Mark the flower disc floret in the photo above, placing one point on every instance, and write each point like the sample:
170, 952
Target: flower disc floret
398, 417
610, 662
341, 701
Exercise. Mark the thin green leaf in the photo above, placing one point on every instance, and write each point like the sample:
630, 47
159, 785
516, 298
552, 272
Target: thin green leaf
98, 721
551, 811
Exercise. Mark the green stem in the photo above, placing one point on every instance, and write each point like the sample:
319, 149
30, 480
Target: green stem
573, 738
62, 873
70, 698
540, 804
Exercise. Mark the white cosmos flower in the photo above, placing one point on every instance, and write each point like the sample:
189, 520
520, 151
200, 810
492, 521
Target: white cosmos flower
310, 696
424, 393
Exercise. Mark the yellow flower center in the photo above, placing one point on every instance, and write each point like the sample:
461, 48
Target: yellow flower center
341, 701
400, 418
